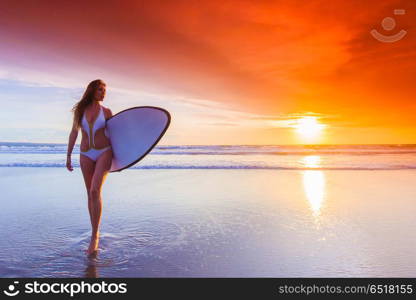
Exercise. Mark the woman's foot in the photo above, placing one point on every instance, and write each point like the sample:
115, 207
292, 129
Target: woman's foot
92, 249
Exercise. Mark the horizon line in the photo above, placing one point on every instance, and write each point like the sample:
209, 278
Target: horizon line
374, 144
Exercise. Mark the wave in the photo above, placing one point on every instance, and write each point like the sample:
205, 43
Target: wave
227, 167
33, 148
346, 152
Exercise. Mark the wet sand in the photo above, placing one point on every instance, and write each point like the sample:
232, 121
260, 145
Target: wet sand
210, 223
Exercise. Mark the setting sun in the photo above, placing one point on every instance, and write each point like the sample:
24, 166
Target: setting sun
309, 127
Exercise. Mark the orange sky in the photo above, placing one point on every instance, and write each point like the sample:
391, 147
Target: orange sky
271, 59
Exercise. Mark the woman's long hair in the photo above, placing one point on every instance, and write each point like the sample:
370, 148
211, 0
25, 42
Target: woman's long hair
87, 99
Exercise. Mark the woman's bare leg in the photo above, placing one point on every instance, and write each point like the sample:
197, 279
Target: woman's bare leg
102, 166
87, 168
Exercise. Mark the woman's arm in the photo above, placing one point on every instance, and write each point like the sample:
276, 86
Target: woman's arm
72, 139
108, 113
71, 142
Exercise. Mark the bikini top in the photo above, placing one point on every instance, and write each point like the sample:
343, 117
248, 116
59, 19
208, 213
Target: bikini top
91, 128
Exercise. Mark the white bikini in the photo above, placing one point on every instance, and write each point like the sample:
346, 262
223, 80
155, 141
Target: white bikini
90, 129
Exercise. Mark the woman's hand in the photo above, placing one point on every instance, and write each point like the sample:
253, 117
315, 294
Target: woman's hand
68, 163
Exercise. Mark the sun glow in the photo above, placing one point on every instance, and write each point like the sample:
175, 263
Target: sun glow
309, 128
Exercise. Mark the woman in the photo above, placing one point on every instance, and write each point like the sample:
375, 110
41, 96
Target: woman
95, 150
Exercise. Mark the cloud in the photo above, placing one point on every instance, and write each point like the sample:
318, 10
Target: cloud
270, 58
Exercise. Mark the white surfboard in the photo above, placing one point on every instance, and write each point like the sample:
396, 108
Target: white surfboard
134, 132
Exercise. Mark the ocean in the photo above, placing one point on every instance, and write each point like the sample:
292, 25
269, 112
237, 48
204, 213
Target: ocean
319, 157
213, 211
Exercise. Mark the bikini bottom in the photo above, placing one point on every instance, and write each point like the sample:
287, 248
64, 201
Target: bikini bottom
94, 154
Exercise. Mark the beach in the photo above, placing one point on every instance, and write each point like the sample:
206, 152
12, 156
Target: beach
210, 223
259, 139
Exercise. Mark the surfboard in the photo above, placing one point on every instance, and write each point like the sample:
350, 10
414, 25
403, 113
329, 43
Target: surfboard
134, 132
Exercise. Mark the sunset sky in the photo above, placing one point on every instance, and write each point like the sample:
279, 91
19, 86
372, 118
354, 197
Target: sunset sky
229, 72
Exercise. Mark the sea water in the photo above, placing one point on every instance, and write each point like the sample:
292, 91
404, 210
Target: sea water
213, 211
324, 157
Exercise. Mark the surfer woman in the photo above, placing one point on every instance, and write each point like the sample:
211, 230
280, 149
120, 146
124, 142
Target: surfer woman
95, 150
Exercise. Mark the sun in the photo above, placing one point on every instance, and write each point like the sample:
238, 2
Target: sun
309, 128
